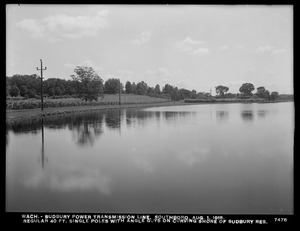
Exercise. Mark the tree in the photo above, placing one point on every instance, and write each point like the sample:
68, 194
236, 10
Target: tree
246, 89
133, 88
193, 94
58, 91
262, 93
230, 95
88, 83
31, 93
142, 88
111, 86
185, 94
157, 89
51, 91
128, 89
220, 90
150, 91
70, 90
23, 90
175, 94
7, 87
62, 89
207, 95
168, 89
14, 90
274, 95
32, 82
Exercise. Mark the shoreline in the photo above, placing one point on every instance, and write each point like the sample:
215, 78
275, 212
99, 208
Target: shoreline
17, 115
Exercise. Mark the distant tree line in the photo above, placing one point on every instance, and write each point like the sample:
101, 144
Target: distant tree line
88, 85
246, 91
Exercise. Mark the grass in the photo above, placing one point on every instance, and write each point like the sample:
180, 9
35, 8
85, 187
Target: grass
31, 108
12, 104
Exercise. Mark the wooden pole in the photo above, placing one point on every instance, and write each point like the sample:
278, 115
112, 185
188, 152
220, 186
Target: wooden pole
41, 69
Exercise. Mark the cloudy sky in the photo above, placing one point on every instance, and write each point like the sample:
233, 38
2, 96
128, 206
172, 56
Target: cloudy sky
195, 47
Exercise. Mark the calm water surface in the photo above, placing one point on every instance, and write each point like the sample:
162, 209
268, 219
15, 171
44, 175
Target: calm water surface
218, 158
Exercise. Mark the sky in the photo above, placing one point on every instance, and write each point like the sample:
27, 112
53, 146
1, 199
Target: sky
196, 47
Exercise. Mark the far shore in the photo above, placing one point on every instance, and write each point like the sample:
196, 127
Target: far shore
17, 115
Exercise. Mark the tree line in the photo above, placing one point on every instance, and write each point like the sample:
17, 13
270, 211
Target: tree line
85, 83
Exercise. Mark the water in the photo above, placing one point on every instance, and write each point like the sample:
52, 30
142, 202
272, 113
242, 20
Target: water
219, 158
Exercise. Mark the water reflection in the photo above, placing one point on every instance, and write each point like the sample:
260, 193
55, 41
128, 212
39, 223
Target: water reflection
261, 113
113, 119
247, 115
167, 161
139, 118
24, 126
43, 148
222, 115
193, 155
143, 163
70, 178
87, 127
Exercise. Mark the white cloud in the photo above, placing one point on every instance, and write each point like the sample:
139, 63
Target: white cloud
264, 49
162, 72
87, 63
239, 46
55, 28
200, 51
71, 179
70, 65
225, 47
279, 51
36, 29
144, 164
270, 49
188, 44
192, 46
194, 155
184, 83
161, 75
125, 72
142, 38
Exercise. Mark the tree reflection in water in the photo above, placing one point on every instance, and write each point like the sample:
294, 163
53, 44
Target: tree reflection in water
261, 113
222, 115
86, 127
137, 118
247, 115
113, 119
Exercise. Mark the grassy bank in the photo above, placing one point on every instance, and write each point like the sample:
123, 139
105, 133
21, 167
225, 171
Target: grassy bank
73, 105
20, 104
139, 102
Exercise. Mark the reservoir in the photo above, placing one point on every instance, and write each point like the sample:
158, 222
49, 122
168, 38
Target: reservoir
191, 159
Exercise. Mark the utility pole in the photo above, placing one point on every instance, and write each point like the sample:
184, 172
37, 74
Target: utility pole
42, 99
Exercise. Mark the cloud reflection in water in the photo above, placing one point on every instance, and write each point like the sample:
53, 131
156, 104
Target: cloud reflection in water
71, 179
